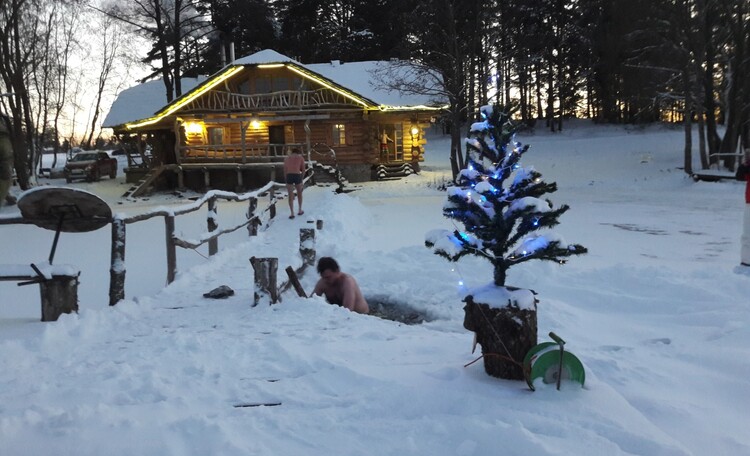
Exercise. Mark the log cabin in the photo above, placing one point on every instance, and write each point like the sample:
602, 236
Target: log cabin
232, 130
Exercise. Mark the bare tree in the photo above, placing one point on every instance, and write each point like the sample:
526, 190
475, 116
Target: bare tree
19, 37
440, 50
65, 38
170, 25
110, 34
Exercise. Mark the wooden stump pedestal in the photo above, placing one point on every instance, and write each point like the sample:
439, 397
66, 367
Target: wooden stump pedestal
59, 296
505, 333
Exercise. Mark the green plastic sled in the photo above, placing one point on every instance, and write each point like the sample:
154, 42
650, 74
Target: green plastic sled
543, 361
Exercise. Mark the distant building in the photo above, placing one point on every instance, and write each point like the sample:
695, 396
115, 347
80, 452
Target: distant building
233, 129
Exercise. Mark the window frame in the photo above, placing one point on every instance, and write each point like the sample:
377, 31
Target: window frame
210, 129
338, 134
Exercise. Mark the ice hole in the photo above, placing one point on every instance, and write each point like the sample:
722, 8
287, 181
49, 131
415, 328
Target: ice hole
390, 309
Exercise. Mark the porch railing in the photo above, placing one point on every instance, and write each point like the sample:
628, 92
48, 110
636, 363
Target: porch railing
217, 100
235, 152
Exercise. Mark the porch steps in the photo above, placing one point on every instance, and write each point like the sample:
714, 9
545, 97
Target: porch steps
144, 185
393, 171
326, 174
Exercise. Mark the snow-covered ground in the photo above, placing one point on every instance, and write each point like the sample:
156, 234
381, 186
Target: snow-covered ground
657, 312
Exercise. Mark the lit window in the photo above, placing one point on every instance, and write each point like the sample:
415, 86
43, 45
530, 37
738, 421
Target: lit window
215, 135
339, 134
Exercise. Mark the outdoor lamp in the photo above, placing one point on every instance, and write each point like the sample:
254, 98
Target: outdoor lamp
193, 128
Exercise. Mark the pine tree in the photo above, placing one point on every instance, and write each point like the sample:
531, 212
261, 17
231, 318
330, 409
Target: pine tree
502, 221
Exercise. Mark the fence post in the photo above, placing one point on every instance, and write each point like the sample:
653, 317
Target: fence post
272, 209
265, 279
213, 244
171, 248
307, 246
117, 267
252, 227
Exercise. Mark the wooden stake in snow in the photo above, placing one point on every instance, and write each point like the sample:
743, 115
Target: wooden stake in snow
294, 280
265, 279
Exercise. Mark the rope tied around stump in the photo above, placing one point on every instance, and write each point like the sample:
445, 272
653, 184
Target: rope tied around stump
509, 357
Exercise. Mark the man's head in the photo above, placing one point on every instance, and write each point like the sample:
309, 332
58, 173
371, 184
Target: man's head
296, 150
328, 269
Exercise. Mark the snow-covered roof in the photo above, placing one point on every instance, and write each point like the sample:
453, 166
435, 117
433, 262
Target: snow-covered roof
142, 101
358, 77
265, 56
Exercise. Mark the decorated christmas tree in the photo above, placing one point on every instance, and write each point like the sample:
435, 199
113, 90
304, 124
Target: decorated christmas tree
505, 221
499, 203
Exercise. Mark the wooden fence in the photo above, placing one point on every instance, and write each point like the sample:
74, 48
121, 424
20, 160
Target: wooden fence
172, 241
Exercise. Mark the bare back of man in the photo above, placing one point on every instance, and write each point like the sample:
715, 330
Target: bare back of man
341, 288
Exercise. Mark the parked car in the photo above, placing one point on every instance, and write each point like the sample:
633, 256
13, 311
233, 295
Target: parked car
90, 165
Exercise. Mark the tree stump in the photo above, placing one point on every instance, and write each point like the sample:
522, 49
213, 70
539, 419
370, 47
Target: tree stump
506, 334
307, 246
59, 296
265, 279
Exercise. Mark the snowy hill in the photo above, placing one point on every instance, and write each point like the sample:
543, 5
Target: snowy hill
657, 312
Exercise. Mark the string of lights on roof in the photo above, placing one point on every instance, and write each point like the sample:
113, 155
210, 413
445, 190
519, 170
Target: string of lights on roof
233, 70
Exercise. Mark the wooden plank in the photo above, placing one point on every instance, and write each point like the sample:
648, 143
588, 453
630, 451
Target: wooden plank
294, 280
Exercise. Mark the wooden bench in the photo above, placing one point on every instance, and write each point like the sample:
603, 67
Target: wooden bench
58, 286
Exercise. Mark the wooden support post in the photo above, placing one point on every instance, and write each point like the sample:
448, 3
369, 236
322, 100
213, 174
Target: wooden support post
265, 279
307, 246
59, 296
180, 178
294, 280
206, 178
243, 141
252, 227
171, 248
240, 180
180, 138
213, 244
117, 266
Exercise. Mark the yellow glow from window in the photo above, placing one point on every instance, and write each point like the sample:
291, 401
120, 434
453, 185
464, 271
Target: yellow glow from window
255, 124
193, 128
327, 85
188, 99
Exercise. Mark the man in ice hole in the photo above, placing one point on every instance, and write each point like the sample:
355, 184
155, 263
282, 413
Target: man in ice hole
338, 287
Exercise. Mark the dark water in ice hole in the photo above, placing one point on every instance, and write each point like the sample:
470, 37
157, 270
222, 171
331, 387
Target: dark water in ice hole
389, 309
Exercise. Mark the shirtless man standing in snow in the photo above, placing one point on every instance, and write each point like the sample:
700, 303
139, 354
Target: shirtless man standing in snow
294, 168
339, 288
